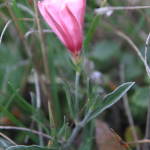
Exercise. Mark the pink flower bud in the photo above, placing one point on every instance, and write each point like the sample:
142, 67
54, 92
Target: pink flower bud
66, 18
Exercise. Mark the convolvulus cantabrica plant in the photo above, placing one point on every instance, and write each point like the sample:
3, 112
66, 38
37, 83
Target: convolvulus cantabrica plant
66, 19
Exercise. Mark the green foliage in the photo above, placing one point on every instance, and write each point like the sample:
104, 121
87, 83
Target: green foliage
61, 131
141, 97
18, 123
11, 68
69, 98
54, 143
67, 133
110, 99
104, 50
89, 92
93, 27
33, 147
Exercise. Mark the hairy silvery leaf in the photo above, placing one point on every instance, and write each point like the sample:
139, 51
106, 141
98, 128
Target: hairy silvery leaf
110, 99
69, 97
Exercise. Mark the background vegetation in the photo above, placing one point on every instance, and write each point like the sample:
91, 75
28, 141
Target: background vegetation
110, 60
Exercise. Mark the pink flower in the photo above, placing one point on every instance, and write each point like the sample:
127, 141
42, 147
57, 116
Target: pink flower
66, 18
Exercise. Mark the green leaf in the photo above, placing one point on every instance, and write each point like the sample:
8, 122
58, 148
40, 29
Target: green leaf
96, 102
67, 133
54, 143
69, 98
73, 65
89, 92
41, 124
93, 27
4, 144
33, 147
141, 97
61, 130
65, 120
85, 147
104, 50
110, 99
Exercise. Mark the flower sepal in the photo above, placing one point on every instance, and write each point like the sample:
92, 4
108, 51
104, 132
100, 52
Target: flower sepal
76, 61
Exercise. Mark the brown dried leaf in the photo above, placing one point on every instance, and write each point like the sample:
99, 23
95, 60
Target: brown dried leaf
105, 139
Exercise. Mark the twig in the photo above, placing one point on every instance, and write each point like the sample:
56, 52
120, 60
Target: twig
140, 141
45, 90
20, 6
36, 31
29, 130
7, 138
147, 132
121, 34
45, 60
126, 106
124, 36
38, 102
4, 29
146, 65
105, 10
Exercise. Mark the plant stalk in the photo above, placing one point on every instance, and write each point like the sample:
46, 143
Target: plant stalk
73, 135
76, 94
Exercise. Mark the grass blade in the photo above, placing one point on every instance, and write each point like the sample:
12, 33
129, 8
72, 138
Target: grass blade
93, 27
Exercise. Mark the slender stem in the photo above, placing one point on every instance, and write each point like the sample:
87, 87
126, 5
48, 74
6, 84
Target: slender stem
73, 135
76, 130
28, 130
76, 94
127, 109
86, 118
147, 132
38, 103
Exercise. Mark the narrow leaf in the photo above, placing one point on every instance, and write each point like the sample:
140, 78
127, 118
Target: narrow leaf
52, 127
41, 124
73, 65
93, 27
90, 92
33, 147
69, 98
87, 145
61, 131
96, 102
65, 120
110, 99
4, 144
67, 133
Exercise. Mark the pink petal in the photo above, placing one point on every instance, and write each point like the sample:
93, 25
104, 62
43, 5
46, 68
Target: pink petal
71, 27
77, 7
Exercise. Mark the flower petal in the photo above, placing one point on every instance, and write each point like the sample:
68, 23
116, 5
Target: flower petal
71, 26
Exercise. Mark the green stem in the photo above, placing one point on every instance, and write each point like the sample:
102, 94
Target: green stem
73, 135
92, 129
76, 94
76, 130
